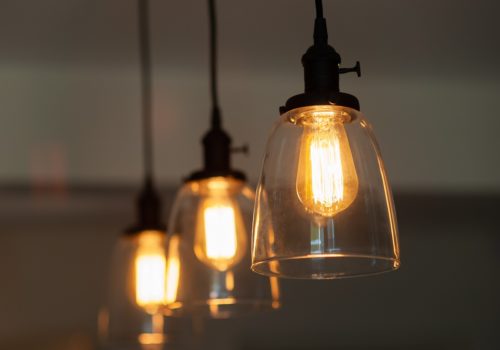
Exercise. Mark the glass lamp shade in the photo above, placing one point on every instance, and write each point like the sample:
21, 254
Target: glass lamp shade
211, 225
324, 207
139, 288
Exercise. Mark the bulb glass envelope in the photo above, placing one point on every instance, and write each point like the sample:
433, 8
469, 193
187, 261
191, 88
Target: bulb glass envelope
324, 207
211, 225
141, 282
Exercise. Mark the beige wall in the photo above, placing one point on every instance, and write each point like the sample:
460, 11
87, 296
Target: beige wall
69, 93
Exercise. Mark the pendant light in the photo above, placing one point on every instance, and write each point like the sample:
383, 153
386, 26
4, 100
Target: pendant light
210, 225
142, 281
324, 206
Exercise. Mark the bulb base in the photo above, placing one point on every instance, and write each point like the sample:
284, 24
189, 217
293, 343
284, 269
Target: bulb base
318, 99
148, 211
206, 174
217, 153
322, 71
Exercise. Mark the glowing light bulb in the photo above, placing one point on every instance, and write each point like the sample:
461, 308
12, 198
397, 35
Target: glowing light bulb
150, 271
327, 182
220, 238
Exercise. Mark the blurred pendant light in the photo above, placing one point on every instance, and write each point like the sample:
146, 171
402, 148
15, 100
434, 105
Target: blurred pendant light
142, 281
324, 207
211, 223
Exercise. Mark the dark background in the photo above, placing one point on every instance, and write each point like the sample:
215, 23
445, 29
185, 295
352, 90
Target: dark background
70, 159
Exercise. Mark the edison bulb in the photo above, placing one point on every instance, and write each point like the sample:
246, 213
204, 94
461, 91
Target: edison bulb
327, 182
155, 278
144, 280
220, 236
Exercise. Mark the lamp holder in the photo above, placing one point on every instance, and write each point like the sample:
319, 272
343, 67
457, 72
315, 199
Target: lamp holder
322, 70
149, 209
217, 153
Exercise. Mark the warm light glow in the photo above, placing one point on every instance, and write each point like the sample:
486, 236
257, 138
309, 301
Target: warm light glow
150, 279
220, 231
173, 270
214, 310
150, 341
214, 306
327, 182
150, 272
220, 240
275, 292
230, 281
156, 278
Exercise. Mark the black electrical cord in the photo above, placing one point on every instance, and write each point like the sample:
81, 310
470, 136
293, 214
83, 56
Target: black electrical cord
216, 118
148, 202
320, 31
216, 142
319, 9
147, 101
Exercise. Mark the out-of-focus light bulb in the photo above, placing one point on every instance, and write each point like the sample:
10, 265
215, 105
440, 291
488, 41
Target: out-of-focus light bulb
220, 238
327, 182
150, 271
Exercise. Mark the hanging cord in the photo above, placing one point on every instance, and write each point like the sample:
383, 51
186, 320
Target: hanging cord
145, 61
216, 118
148, 201
216, 141
319, 9
320, 31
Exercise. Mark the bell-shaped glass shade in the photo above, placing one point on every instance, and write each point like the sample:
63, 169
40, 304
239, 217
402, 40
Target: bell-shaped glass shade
324, 207
211, 225
140, 286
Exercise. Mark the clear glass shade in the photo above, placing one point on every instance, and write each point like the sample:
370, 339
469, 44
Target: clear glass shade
210, 243
138, 290
324, 207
